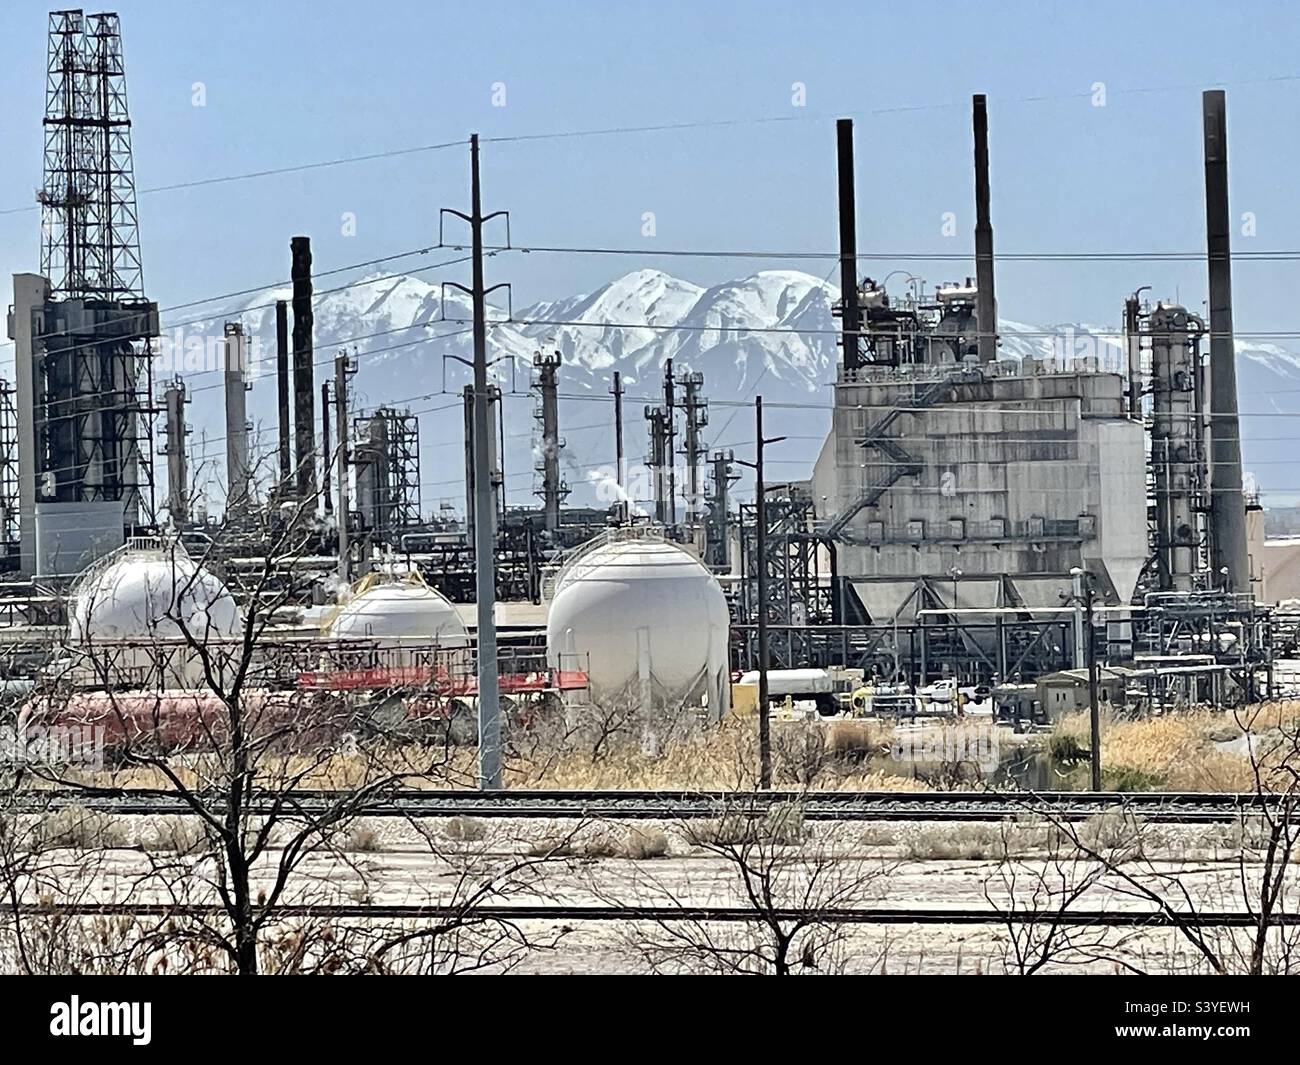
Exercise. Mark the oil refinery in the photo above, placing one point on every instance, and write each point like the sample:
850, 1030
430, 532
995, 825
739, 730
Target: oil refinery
975, 521
389, 586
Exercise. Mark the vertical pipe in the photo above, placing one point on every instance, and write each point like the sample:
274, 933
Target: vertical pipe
177, 476
236, 395
620, 461
325, 445
282, 392
550, 411
851, 320
1228, 506
670, 441
986, 304
341, 425
304, 382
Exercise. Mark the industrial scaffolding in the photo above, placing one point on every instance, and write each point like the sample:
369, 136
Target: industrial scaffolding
93, 386
386, 461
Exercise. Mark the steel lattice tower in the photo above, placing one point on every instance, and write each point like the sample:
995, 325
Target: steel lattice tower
90, 390
90, 244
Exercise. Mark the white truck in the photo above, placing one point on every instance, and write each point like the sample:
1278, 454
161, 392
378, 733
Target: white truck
798, 685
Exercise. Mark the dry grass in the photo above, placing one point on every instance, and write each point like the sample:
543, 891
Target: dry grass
841, 755
836, 755
81, 829
1178, 752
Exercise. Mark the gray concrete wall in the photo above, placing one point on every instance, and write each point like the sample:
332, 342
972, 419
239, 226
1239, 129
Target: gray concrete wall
1020, 474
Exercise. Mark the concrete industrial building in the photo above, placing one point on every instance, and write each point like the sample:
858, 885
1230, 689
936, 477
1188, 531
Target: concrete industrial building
954, 478
997, 480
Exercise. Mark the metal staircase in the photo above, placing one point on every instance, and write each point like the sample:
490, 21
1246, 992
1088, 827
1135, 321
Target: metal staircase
901, 462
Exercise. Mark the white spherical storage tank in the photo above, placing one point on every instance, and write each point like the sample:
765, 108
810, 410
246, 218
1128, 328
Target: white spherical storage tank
145, 594
158, 594
643, 618
406, 611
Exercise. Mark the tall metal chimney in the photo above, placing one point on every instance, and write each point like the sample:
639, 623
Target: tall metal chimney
304, 381
852, 313
1228, 504
986, 304
236, 390
178, 482
282, 392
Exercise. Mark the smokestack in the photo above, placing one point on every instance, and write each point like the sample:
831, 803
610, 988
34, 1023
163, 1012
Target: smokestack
1228, 506
852, 314
282, 391
304, 382
986, 304
237, 465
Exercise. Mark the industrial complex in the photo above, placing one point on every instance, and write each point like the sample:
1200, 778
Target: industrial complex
974, 522
883, 634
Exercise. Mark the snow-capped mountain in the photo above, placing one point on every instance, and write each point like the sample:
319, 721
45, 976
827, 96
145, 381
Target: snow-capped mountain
411, 335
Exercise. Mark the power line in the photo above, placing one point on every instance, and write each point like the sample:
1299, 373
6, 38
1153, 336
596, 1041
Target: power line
1106, 334
297, 168
1276, 255
315, 295
672, 127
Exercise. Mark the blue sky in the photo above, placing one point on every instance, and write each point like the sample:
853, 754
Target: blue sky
294, 82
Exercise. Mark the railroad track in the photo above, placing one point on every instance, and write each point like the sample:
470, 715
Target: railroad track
1176, 807
887, 915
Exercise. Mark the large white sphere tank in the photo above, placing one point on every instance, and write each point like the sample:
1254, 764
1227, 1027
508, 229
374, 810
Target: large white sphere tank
400, 612
641, 612
151, 594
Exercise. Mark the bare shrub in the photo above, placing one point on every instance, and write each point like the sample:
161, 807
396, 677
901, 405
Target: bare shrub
465, 829
360, 838
782, 824
798, 752
879, 834
175, 835
643, 842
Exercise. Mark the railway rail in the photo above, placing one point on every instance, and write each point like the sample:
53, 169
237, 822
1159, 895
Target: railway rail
888, 915
1174, 807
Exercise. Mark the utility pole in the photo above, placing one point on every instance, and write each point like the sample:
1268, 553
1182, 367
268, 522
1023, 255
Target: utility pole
697, 416
489, 696
1083, 592
1094, 707
620, 461
670, 440
343, 369
760, 533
